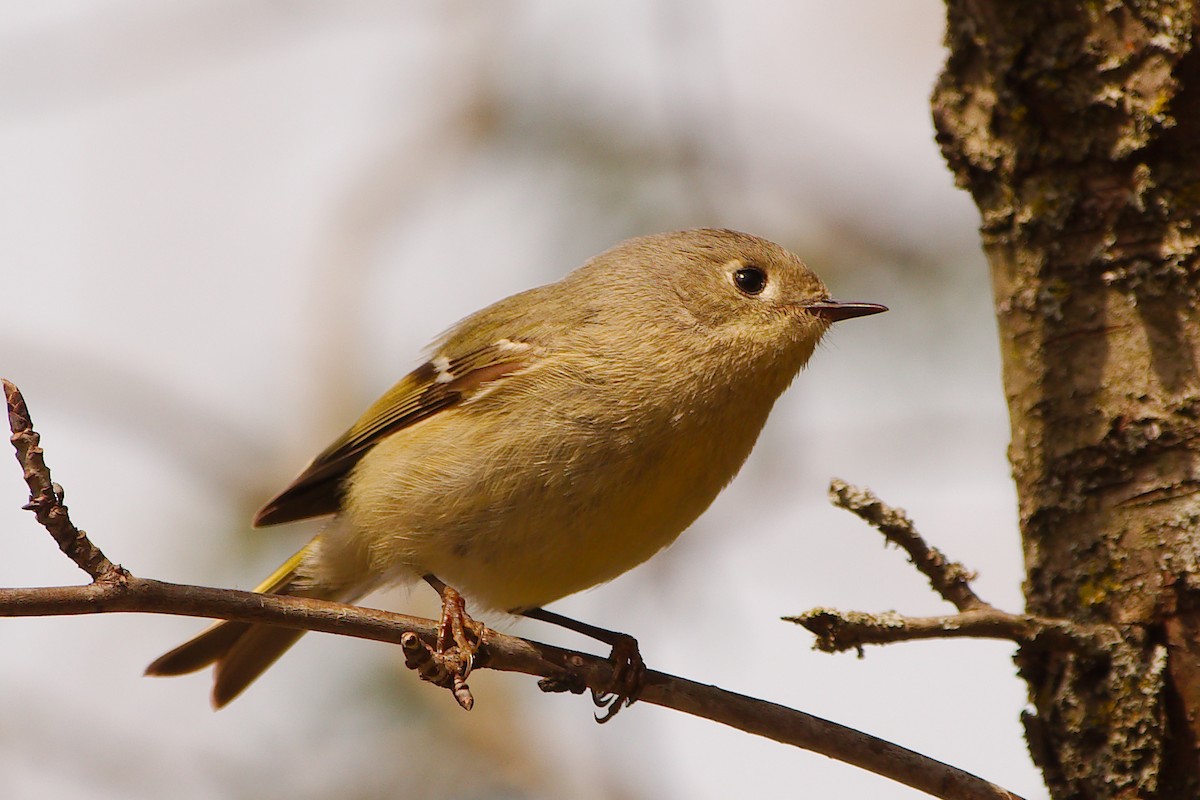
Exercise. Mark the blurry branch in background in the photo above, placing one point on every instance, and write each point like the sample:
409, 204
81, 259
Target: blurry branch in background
837, 631
115, 589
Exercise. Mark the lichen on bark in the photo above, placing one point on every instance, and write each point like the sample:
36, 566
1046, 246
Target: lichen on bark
1076, 129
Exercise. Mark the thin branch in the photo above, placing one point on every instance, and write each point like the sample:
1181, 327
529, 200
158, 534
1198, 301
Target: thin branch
837, 631
950, 579
512, 654
46, 497
114, 589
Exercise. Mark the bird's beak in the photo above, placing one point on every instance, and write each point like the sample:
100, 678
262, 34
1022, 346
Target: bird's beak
836, 310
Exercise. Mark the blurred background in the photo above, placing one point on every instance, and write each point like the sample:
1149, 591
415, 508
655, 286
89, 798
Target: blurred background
226, 227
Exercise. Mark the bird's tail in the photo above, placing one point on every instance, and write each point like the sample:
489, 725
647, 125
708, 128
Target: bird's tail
241, 651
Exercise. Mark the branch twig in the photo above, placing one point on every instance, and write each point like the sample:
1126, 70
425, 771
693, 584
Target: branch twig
46, 497
948, 578
837, 631
114, 589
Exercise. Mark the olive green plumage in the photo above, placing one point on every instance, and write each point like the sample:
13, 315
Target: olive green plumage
553, 440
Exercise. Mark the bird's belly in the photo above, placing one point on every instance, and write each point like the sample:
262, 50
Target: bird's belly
513, 534
551, 549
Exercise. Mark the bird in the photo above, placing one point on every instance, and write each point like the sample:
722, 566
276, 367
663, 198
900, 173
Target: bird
549, 443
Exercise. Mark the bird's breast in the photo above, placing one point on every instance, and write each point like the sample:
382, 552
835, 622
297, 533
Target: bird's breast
518, 509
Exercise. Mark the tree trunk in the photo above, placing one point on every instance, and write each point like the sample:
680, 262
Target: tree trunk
1075, 126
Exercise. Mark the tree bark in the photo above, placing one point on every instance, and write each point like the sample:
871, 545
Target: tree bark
1075, 126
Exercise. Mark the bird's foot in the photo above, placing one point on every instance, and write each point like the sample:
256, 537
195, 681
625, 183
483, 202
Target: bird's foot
628, 668
458, 634
440, 669
629, 676
449, 662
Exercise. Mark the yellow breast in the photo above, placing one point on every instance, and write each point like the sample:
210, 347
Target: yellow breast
520, 521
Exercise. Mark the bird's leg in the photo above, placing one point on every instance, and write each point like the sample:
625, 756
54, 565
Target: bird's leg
629, 670
458, 640
456, 625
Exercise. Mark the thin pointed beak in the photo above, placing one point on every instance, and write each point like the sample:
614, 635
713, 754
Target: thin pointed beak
836, 311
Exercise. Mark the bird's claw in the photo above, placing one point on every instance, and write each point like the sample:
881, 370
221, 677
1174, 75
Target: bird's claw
449, 662
629, 676
441, 669
457, 632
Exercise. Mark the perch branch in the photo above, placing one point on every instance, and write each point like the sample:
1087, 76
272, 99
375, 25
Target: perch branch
513, 654
113, 589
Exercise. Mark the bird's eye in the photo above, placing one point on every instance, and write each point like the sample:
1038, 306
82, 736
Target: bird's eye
750, 279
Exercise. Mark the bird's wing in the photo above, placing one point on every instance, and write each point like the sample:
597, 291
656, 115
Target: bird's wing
441, 383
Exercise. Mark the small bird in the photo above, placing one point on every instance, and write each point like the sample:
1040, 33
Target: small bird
551, 442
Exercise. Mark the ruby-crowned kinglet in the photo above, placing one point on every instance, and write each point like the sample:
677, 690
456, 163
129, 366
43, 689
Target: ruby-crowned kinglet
552, 441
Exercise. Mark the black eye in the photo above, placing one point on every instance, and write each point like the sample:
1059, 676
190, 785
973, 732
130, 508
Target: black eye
750, 279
